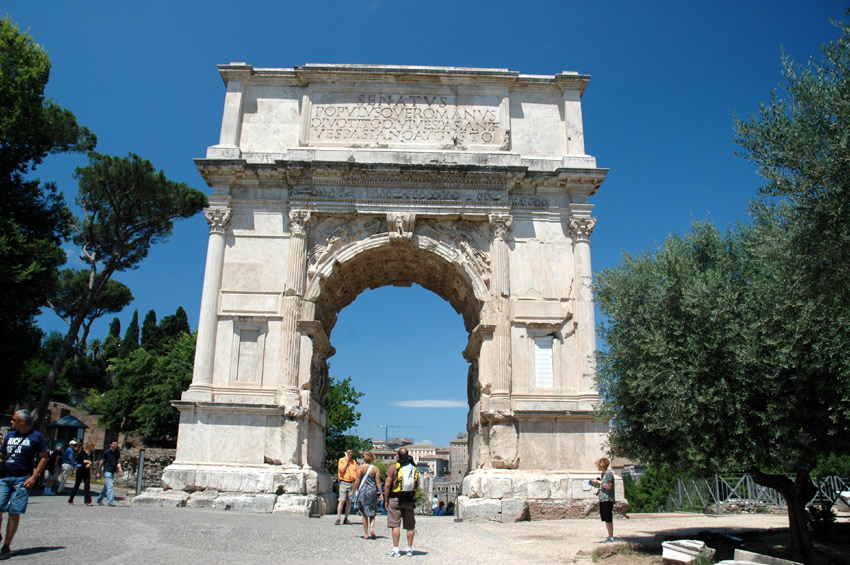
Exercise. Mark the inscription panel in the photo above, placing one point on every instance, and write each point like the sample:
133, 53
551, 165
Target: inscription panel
422, 119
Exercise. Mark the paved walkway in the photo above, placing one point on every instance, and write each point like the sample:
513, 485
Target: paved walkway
53, 532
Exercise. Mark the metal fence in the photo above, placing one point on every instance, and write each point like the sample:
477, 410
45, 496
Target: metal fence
740, 493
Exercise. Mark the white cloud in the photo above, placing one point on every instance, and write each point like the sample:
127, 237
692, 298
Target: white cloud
430, 404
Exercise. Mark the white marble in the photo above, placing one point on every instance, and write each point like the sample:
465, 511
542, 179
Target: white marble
331, 179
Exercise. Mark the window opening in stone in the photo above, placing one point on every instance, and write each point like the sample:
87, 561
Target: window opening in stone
544, 375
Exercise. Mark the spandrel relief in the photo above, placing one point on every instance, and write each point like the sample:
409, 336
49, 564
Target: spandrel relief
331, 234
470, 239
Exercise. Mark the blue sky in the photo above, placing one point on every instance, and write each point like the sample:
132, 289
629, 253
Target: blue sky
666, 79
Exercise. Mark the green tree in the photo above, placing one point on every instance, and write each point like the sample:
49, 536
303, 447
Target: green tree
145, 385
131, 340
712, 366
33, 216
175, 324
127, 207
341, 403
650, 492
150, 332
72, 290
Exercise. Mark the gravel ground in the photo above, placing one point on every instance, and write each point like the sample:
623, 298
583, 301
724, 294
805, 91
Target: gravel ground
53, 532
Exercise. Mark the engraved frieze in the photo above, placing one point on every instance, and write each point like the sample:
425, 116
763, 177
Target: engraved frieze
380, 119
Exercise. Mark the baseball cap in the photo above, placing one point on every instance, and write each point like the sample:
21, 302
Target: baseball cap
72, 442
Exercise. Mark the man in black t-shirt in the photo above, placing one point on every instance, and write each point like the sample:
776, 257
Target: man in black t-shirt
110, 463
21, 446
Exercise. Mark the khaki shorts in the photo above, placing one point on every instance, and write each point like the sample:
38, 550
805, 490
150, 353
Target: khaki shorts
400, 512
345, 489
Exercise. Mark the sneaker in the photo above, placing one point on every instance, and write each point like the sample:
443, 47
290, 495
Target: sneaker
394, 553
5, 553
609, 540
409, 553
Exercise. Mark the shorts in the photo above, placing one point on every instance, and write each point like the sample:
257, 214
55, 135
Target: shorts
400, 512
13, 495
606, 510
345, 488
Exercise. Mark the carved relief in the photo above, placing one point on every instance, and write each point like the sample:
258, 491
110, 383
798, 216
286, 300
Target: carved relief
298, 222
581, 228
400, 226
500, 224
218, 219
470, 239
331, 234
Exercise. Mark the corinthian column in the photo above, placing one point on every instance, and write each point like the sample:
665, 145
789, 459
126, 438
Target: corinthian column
296, 278
500, 291
581, 226
218, 218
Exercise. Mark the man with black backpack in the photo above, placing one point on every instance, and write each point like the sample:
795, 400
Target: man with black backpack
401, 484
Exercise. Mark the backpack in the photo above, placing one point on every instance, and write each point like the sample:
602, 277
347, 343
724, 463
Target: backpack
407, 482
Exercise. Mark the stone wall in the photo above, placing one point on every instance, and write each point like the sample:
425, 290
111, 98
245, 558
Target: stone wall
156, 460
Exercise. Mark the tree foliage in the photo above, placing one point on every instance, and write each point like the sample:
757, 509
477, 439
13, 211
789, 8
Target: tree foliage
72, 290
145, 384
33, 216
127, 206
728, 352
651, 491
341, 403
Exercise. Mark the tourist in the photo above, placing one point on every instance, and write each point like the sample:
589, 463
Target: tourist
83, 463
435, 503
606, 496
450, 509
20, 448
400, 486
441, 509
366, 487
68, 457
109, 464
347, 471
53, 469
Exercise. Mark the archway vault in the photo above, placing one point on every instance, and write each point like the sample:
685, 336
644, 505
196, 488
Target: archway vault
377, 261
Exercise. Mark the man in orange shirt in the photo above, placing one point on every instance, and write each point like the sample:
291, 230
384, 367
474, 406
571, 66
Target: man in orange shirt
347, 467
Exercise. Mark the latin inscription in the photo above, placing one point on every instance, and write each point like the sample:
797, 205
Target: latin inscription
389, 119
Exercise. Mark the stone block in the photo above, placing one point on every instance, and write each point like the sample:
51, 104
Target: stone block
514, 510
301, 505
262, 503
178, 479
480, 510
538, 489
472, 486
497, 487
202, 499
546, 510
164, 498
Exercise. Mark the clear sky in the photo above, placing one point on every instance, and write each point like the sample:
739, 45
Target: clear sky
666, 79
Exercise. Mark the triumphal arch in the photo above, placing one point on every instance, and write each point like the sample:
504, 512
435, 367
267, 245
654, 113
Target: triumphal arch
331, 179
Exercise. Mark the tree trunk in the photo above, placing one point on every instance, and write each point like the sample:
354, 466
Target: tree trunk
797, 494
41, 412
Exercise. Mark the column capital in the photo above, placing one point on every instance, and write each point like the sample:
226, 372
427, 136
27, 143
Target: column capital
500, 224
218, 218
298, 219
581, 228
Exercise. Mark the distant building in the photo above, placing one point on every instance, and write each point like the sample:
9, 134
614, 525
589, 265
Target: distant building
459, 456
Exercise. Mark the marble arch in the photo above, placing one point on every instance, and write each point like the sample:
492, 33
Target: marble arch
330, 179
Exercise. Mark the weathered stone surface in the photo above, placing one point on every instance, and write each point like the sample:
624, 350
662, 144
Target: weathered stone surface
329, 180
497, 487
245, 502
301, 505
202, 499
480, 510
160, 497
514, 510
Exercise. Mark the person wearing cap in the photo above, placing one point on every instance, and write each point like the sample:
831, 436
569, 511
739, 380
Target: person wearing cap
68, 457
